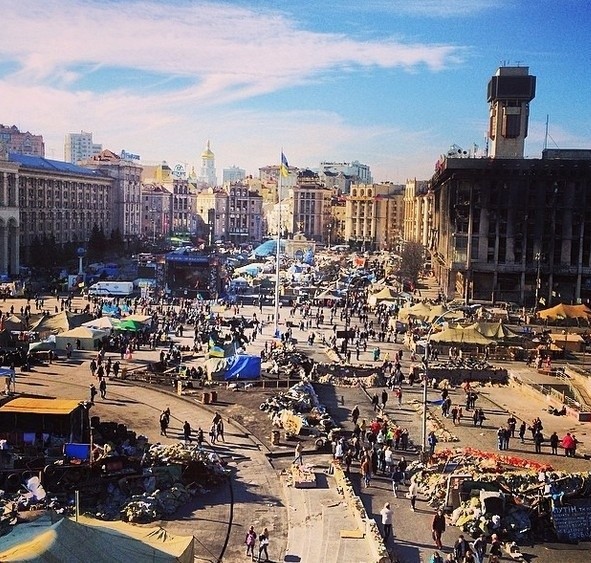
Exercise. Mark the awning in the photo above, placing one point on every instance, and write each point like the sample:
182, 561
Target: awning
40, 406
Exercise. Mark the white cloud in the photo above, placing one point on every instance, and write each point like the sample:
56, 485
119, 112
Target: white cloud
159, 78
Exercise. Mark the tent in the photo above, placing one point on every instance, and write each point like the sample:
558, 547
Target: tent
131, 324
243, 367
60, 322
89, 338
384, 294
96, 540
103, 323
496, 331
12, 323
418, 310
461, 336
562, 311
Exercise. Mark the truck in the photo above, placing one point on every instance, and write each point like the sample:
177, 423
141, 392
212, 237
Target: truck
111, 288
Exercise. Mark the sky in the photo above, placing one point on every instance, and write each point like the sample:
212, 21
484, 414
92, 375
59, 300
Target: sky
390, 83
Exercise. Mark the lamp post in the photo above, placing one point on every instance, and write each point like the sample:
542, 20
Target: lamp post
426, 368
538, 258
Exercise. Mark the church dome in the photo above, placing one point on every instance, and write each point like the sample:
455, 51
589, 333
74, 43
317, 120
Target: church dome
207, 154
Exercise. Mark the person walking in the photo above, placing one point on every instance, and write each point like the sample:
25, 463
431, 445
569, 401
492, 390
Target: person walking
538, 441
355, 414
412, 494
187, 432
366, 471
479, 548
554, 443
432, 442
522, 429
164, 420
250, 541
461, 548
387, 518
437, 528
397, 478
384, 398
103, 388
264, 544
93, 393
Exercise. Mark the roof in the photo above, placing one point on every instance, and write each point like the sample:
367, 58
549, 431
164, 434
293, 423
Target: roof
40, 406
67, 540
40, 163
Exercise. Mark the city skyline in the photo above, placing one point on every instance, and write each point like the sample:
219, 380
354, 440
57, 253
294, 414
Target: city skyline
390, 84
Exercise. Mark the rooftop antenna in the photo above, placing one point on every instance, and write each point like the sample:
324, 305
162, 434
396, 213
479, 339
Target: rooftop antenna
546, 135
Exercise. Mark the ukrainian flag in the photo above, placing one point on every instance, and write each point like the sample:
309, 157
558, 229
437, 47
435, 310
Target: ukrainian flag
284, 169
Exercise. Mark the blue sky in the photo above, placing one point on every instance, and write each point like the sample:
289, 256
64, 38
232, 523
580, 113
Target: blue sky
390, 83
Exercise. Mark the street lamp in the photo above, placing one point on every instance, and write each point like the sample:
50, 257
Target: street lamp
426, 368
538, 258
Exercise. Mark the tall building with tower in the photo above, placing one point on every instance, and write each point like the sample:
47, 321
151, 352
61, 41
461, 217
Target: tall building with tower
207, 175
509, 228
510, 91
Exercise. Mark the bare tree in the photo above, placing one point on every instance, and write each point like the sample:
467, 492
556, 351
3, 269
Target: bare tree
412, 261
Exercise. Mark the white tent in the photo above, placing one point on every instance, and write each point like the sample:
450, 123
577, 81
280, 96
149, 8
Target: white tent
103, 323
88, 337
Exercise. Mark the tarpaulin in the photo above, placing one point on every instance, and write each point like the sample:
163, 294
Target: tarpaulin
243, 367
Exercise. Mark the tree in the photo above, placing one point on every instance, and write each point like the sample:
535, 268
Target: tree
412, 261
97, 244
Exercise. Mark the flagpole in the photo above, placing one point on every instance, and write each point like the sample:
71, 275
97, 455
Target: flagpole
278, 250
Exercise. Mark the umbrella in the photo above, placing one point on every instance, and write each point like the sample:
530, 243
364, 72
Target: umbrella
130, 324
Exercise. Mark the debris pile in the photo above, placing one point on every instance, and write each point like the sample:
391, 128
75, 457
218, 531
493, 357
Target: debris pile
299, 406
494, 493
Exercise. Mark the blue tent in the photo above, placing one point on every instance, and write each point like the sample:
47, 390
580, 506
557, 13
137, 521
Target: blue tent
243, 367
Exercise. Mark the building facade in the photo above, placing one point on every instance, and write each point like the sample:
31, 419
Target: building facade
21, 143
55, 200
126, 196
374, 216
418, 212
211, 214
509, 228
350, 173
311, 207
156, 211
245, 214
79, 147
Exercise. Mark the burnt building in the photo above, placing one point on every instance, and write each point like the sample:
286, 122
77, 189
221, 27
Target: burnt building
507, 228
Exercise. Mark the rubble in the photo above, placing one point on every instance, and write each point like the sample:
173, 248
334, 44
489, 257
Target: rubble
488, 492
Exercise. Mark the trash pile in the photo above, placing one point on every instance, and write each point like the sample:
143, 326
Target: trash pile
177, 473
149, 507
347, 375
299, 402
492, 493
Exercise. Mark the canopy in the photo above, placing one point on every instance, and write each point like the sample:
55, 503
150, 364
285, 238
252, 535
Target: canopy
88, 337
496, 331
96, 540
243, 367
418, 310
461, 336
131, 325
383, 295
104, 323
40, 406
12, 323
562, 311
60, 322
43, 346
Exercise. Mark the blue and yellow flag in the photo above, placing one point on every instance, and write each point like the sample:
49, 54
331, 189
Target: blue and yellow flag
284, 169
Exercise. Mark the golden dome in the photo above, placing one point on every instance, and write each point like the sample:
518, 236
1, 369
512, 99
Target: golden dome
207, 154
